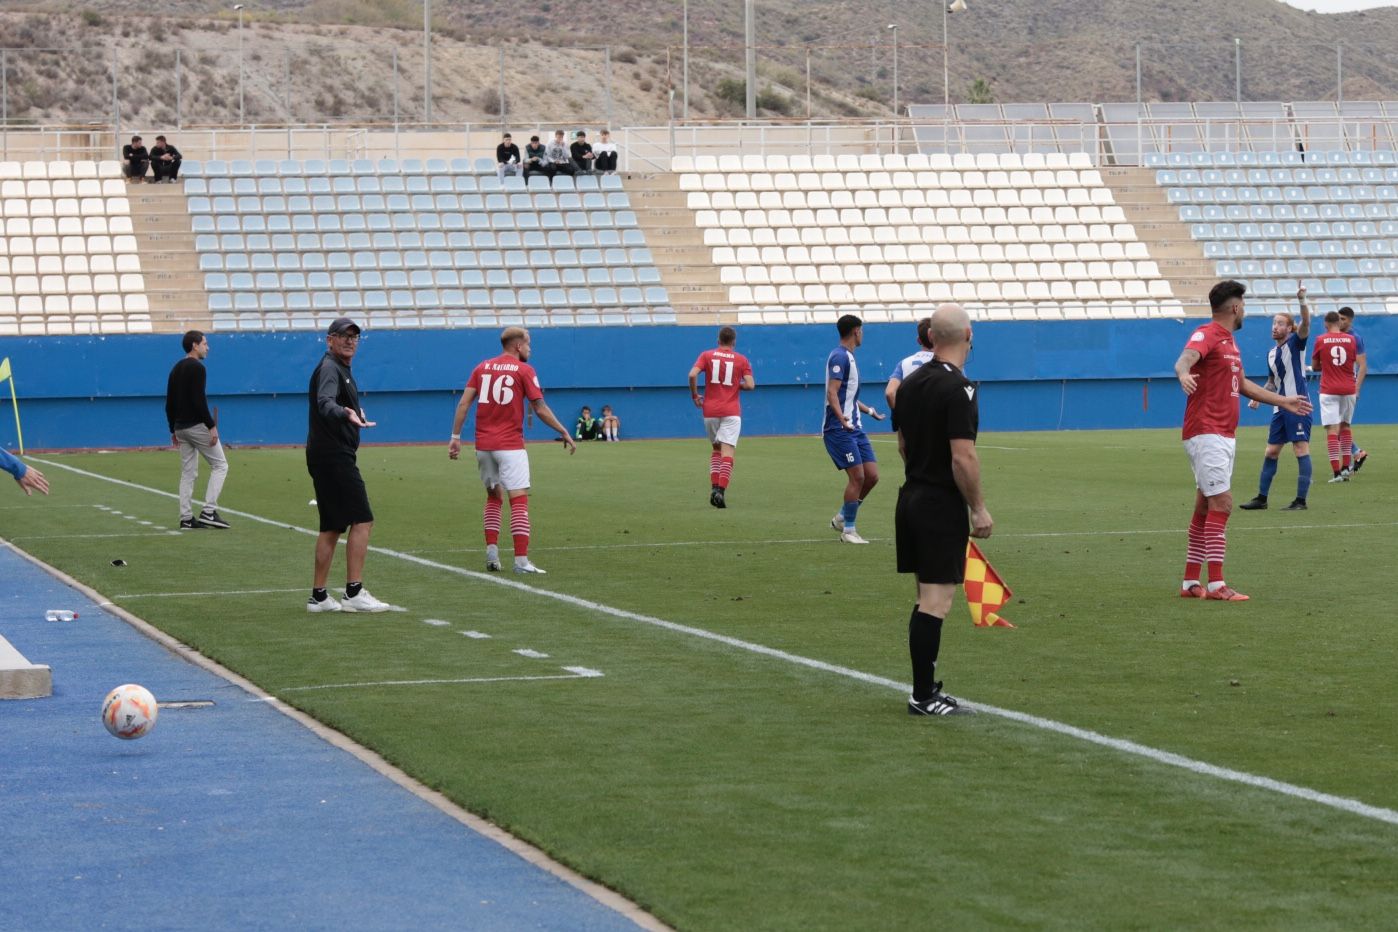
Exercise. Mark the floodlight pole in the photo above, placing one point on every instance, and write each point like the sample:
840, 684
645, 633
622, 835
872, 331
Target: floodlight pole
894, 27
241, 82
946, 73
427, 61
685, 75
1237, 69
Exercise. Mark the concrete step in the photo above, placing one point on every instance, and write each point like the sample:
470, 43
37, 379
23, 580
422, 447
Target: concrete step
20, 679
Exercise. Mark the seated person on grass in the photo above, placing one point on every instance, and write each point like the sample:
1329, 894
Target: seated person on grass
588, 427
611, 424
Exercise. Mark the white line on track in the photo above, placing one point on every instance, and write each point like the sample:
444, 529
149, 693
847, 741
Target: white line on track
1202, 768
572, 675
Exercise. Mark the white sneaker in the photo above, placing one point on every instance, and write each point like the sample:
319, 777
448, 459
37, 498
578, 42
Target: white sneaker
838, 522
492, 557
852, 537
329, 605
364, 602
524, 566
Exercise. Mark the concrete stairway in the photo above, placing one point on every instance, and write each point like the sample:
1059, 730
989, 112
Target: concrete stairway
685, 263
174, 286
1158, 224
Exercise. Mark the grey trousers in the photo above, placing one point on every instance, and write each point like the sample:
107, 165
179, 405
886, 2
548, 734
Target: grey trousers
196, 442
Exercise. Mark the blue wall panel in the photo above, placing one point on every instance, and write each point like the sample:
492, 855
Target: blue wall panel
109, 391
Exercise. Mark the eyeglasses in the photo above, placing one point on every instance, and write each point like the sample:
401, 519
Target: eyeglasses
348, 337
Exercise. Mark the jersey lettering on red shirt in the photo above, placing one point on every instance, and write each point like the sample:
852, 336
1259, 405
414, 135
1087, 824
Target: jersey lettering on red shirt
1213, 408
724, 371
502, 385
1334, 356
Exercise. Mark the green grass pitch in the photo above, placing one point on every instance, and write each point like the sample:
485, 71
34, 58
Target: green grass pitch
724, 789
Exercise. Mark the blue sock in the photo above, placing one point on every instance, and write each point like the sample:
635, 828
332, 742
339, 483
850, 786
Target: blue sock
1303, 481
1353, 450
1269, 471
849, 510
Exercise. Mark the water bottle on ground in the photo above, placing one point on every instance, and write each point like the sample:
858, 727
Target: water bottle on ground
59, 614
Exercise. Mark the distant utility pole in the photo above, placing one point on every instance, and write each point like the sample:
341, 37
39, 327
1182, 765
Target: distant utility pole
749, 32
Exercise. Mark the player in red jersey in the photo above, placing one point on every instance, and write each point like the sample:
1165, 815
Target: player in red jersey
1334, 355
727, 373
499, 387
1210, 370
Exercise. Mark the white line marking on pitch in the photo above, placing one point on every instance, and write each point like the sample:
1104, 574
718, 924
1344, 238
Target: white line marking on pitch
476, 635
1202, 768
575, 673
176, 595
530, 652
93, 536
436, 622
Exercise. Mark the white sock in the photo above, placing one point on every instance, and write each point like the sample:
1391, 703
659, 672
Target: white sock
1217, 585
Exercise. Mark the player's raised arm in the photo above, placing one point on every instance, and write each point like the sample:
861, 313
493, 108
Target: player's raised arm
1187, 361
1303, 329
546, 415
463, 407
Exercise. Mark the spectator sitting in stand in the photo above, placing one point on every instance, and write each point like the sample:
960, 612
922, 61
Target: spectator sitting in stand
534, 158
582, 153
135, 159
507, 160
611, 424
588, 427
557, 160
606, 153
165, 161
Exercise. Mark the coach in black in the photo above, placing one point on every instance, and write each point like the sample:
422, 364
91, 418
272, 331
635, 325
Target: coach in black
194, 432
940, 504
332, 447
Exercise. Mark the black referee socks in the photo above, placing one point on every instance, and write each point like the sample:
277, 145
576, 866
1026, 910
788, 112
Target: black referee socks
924, 643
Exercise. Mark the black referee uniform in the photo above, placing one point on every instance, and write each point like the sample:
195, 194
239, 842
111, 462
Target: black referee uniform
332, 447
934, 406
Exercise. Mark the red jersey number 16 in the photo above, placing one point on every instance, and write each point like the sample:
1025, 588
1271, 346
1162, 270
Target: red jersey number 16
724, 366
498, 390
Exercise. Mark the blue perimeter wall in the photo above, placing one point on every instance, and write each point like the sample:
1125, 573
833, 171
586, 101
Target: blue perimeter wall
91, 392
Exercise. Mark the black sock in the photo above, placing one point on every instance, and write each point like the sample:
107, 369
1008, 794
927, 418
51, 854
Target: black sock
352, 589
319, 595
924, 643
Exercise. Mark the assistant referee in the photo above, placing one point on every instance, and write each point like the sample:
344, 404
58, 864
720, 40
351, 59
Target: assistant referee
332, 450
940, 504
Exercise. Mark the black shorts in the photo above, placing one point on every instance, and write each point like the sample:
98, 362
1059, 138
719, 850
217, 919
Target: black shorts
340, 495
932, 527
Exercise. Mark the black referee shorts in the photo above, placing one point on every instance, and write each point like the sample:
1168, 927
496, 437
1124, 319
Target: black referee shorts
931, 528
340, 495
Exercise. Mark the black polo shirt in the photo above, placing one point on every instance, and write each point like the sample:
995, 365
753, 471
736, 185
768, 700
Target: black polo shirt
935, 405
331, 436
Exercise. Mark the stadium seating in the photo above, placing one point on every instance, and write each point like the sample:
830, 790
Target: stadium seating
1327, 220
1037, 236
435, 243
68, 260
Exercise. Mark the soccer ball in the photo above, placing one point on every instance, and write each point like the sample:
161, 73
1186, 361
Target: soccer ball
129, 712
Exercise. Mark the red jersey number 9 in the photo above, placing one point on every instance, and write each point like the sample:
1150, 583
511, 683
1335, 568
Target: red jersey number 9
1338, 356
498, 390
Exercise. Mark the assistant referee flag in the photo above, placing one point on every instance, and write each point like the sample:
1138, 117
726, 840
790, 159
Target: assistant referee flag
986, 592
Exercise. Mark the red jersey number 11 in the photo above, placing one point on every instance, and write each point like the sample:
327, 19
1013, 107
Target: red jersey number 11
724, 366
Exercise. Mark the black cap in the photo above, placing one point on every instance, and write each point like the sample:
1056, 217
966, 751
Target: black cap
341, 325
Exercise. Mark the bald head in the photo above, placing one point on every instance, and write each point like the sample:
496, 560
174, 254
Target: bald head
950, 327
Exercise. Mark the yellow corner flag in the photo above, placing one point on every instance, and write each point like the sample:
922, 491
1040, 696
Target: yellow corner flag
986, 592
14, 401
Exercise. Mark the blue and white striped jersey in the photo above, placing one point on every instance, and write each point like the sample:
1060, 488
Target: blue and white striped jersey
1287, 368
911, 364
840, 368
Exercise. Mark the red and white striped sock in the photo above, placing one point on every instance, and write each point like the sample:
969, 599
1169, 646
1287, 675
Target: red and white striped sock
1346, 447
1332, 443
1215, 545
714, 462
725, 471
491, 520
1194, 554
519, 524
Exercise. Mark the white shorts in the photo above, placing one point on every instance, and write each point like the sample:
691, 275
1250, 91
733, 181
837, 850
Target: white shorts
1337, 408
1211, 456
724, 429
506, 468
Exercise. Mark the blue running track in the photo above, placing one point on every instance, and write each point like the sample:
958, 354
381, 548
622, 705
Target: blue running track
228, 817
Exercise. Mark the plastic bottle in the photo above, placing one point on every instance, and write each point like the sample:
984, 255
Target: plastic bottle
59, 614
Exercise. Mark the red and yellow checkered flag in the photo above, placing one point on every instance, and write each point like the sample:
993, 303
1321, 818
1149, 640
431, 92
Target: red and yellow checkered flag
986, 592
